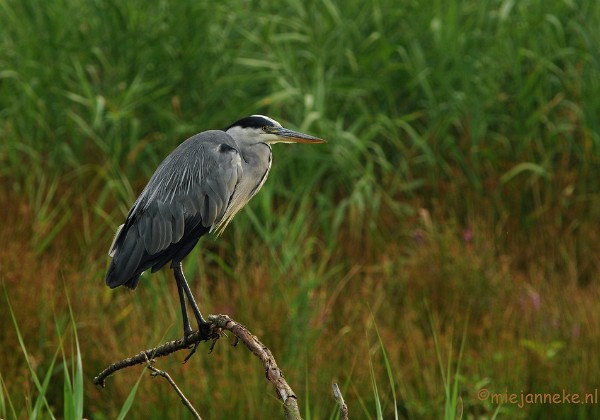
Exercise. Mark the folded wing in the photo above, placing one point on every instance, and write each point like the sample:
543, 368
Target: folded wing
188, 194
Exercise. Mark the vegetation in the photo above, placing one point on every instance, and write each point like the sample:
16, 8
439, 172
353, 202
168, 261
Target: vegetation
443, 241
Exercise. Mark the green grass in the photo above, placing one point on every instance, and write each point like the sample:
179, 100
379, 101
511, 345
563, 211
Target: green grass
461, 171
450, 371
38, 405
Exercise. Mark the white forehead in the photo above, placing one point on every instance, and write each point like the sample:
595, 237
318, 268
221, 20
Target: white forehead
268, 118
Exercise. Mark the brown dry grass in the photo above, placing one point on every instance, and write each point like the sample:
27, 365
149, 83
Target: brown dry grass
530, 325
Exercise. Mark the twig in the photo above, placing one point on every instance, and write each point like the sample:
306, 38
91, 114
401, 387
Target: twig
184, 400
272, 371
160, 351
337, 394
218, 323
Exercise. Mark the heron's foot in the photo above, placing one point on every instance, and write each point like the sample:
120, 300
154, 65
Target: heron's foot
187, 334
205, 330
191, 353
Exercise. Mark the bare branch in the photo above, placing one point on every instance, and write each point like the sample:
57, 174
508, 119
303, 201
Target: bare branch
218, 323
272, 371
337, 394
184, 400
165, 349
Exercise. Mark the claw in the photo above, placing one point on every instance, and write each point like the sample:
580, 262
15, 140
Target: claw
212, 346
191, 352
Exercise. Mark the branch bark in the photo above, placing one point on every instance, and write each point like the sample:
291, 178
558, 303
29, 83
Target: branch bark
218, 324
272, 371
337, 394
163, 350
184, 400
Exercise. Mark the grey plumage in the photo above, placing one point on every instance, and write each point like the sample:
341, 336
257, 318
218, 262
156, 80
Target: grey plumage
197, 189
178, 199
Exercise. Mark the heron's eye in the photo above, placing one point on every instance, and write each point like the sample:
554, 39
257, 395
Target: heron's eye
265, 128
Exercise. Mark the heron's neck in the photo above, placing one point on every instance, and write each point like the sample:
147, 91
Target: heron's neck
256, 163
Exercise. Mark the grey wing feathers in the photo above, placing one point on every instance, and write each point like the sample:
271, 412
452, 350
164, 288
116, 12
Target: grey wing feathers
197, 179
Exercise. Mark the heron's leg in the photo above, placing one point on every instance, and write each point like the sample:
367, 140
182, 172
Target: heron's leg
178, 271
187, 328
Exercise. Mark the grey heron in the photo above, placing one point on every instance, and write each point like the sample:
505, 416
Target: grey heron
196, 190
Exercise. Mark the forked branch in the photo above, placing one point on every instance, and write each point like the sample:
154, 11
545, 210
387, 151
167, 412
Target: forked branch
218, 324
184, 400
163, 350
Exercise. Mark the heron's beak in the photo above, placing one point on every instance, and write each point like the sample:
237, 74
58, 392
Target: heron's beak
288, 136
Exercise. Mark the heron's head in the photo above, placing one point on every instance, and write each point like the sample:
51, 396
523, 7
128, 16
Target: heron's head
261, 129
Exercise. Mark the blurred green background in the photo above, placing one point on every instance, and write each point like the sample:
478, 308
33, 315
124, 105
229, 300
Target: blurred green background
444, 240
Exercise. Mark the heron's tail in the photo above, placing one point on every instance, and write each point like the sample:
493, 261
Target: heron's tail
112, 280
126, 251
